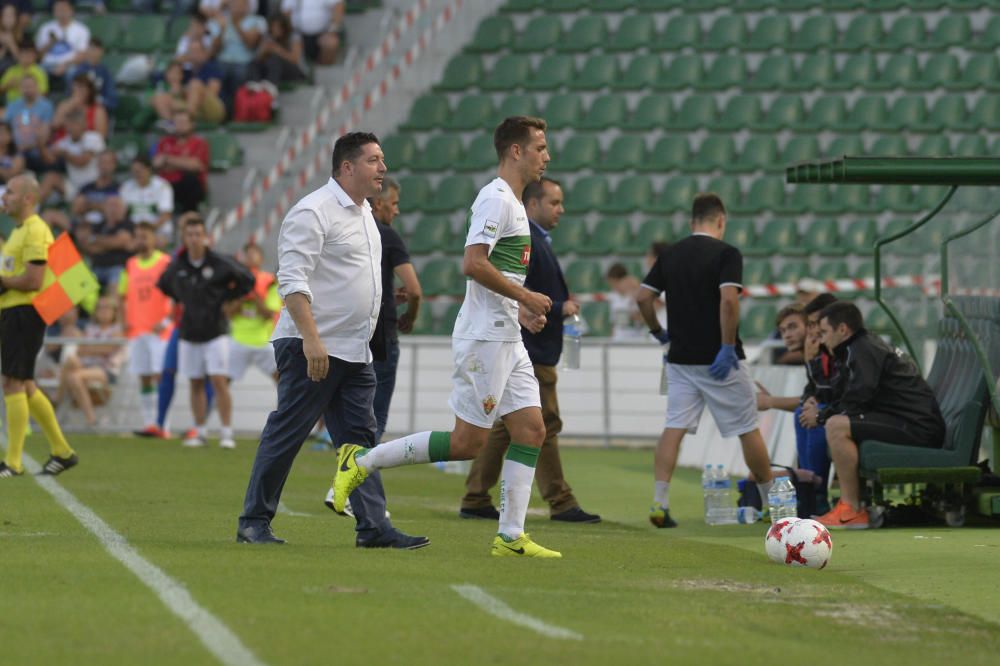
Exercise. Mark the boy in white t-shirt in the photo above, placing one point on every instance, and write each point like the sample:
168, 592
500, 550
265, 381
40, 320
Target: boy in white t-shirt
63, 41
150, 199
78, 151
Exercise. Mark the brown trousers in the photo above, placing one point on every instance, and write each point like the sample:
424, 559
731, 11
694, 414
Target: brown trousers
485, 471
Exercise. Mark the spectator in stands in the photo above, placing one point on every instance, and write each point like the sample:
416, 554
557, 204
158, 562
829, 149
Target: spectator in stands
878, 394
212, 8
11, 36
78, 151
108, 244
240, 33
83, 98
91, 372
182, 160
150, 199
27, 64
626, 322
11, 162
320, 22
200, 31
25, 11
103, 79
199, 96
88, 205
280, 57
63, 41
31, 118
805, 291
252, 320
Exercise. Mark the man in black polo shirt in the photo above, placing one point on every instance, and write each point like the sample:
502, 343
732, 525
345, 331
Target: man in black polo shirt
701, 278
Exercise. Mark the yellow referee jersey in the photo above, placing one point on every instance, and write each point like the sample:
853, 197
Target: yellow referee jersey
29, 242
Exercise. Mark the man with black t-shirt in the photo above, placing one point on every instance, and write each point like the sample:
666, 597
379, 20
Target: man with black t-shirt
701, 278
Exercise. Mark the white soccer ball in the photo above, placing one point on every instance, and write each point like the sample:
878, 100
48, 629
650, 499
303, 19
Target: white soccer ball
808, 544
774, 542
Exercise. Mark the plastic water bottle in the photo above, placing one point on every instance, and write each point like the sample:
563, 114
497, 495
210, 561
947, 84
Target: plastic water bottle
725, 509
663, 374
746, 515
572, 332
782, 500
708, 492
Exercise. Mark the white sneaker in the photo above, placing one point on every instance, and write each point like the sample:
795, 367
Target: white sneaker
227, 443
195, 442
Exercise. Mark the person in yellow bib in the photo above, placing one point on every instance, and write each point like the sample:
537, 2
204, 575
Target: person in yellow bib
22, 272
252, 320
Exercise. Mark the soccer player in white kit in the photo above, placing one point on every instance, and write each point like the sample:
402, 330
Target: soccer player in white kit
493, 375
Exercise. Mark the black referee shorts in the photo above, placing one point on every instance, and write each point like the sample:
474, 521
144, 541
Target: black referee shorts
22, 331
893, 430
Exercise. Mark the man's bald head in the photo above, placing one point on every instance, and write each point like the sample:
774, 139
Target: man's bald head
21, 198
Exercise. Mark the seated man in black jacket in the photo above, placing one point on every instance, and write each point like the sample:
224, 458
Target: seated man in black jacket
878, 394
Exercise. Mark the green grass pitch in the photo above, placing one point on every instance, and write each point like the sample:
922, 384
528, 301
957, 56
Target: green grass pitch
635, 595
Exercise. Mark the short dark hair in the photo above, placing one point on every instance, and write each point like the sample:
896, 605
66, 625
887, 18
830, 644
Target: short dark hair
819, 303
658, 247
148, 226
26, 44
617, 272
793, 310
706, 206
252, 245
192, 219
536, 189
96, 41
144, 160
348, 148
515, 130
843, 312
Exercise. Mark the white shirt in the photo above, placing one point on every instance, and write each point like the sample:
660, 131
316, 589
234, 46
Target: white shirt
146, 204
310, 17
499, 220
330, 250
73, 39
90, 142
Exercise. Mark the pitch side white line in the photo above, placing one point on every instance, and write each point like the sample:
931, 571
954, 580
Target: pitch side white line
499, 609
283, 508
213, 634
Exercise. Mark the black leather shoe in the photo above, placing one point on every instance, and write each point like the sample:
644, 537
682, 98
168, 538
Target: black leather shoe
259, 535
486, 513
393, 538
576, 515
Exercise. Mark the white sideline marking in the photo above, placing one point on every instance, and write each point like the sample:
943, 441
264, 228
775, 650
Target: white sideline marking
214, 635
283, 508
499, 609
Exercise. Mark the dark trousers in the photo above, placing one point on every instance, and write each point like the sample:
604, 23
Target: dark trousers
344, 399
385, 375
188, 193
276, 70
486, 468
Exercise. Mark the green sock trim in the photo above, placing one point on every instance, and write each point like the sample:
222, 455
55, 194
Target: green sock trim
526, 455
146, 390
439, 446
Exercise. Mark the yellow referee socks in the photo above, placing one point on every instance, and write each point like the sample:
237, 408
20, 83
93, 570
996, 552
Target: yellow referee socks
17, 426
45, 416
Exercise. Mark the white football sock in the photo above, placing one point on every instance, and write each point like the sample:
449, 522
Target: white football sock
516, 477
661, 495
147, 406
410, 450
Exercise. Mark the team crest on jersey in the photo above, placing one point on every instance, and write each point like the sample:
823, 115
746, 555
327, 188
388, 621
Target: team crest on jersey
490, 228
8, 263
526, 255
489, 404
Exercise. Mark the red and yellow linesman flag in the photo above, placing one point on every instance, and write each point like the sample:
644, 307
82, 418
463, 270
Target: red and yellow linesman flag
67, 281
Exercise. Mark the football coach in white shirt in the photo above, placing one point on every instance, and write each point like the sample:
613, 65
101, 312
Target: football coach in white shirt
329, 275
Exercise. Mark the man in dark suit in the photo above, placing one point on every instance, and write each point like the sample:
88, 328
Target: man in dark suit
543, 203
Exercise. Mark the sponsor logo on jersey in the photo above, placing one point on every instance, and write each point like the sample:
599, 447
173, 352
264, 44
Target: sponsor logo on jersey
490, 228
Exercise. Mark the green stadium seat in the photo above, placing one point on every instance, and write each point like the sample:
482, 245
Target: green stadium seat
759, 153
657, 5
889, 145
652, 112
726, 71
516, 6
972, 145
800, 149
519, 104
461, 73
774, 73
632, 194
597, 314
989, 37
785, 111
897, 198
846, 199
676, 196
178, 26
114, 62
757, 322
509, 72
835, 269
816, 32
765, 195
584, 276
982, 69
563, 111
132, 113
859, 70
453, 193
684, 71
440, 153
845, 145
822, 237
715, 152
554, 71
588, 193
641, 73
587, 33
445, 324
934, 145
669, 153
928, 196
984, 115
566, 5
868, 112
649, 232
224, 150
771, 32
105, 27
145, 34
428, 112
757, 272
804, 199
817, 71
400, 151
480, 155
899, 71
791, 271
472, 112
494, 34
950, 31
940, 70
948, 112
417, 193
863, 32
728, 188
683, 30
610, 5
540, 34
741, 112
572, 233
625, 153
696, 111
610, 234
906, 31
907, 112
741, 234
442, 277
127, 146
827, 111
634, 32
728, 31
430, 234
859, 237
599, 71
579, 151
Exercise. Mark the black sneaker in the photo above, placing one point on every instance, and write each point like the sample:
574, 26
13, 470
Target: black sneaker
485, 513
55, 466
576, 515
258, 535
660, 517
393, 538
8, 472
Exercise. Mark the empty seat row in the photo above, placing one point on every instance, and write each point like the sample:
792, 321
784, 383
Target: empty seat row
775, 31
514, 6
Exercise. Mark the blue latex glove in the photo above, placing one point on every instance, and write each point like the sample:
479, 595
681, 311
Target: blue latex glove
725, 361
662, 336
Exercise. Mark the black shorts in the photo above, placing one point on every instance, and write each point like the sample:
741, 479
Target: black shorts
893, 430
22, 331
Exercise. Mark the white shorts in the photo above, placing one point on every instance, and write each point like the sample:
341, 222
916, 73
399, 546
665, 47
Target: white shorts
732, 401
198, 359
491, 379
145, 354
242, 357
